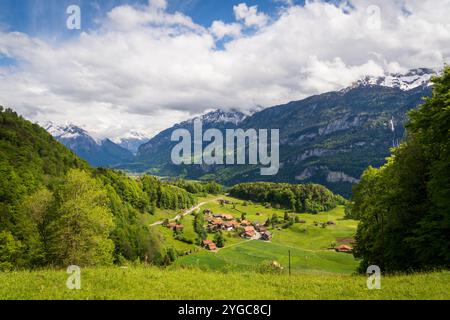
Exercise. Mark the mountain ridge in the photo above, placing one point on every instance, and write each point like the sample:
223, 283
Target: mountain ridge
327, 139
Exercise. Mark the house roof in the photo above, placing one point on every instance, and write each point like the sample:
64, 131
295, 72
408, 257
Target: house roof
344, 248
207, 242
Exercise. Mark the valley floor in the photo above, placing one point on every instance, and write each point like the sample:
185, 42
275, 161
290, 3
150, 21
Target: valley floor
170, 284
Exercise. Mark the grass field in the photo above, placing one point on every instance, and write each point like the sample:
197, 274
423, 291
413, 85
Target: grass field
154, 284
310, 245
234, 272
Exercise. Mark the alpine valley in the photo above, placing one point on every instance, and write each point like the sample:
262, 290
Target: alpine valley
328, 139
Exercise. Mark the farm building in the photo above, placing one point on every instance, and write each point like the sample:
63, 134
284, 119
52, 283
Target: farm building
266, 236
208, 244
344, 248
227, 217
249, 232
175, 227
245, 223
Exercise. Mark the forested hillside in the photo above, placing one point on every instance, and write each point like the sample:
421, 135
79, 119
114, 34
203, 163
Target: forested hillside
57, 210
298, 198
404, 205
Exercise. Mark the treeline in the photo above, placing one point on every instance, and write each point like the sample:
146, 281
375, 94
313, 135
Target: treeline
55, 210
404, 207
210, 187
300, 198
147, 193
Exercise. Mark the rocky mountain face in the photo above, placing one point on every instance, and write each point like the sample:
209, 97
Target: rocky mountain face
328, 139
99, 153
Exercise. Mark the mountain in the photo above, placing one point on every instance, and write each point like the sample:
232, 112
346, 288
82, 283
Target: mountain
413, 79
99, 153
328, 139
155, 154
132, 141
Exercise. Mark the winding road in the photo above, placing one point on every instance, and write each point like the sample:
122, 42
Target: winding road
189, 211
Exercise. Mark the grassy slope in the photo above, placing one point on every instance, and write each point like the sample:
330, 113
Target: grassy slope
309, 245
153, 283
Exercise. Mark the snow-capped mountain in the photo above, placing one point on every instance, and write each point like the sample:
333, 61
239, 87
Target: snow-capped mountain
413, 79
160, 146
99, 153
132, 141
221, 116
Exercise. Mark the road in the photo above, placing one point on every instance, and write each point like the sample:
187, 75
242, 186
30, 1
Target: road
189, 211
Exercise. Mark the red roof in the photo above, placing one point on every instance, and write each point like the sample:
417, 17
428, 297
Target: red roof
207, 242
344, 248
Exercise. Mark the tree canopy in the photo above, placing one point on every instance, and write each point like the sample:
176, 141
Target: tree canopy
404, 206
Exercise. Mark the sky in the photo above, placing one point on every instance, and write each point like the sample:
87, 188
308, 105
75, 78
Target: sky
145, 65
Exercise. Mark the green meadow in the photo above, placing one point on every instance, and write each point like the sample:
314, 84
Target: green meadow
235, 271
310, 245
154, 283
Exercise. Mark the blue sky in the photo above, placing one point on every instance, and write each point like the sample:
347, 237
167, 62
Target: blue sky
149, 68
47, 18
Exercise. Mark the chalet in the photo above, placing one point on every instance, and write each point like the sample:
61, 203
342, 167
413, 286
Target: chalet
227, 217
175, 226
178, 228
245, 223
230, 225
266, 236
208, 244
207, 212
171, 225
331, 223
261, 228
217, 216
249, 232
344, 248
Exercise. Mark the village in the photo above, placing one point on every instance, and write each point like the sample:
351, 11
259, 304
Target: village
226, 222
216, 223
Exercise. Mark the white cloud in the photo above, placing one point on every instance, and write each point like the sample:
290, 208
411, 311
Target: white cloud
250, 15
146, 69
220, 29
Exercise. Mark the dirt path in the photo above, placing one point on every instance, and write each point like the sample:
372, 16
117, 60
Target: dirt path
189, 211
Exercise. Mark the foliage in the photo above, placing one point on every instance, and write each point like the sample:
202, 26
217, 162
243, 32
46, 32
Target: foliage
219, 240
299, 198
55, 209
80, 233
404, 206
209, 187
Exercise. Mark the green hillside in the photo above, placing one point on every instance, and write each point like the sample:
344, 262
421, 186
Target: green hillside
310, 244
192, 284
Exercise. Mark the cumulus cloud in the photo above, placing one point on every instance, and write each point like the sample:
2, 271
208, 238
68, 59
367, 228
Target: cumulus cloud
220, 29
146, 68
250, 15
